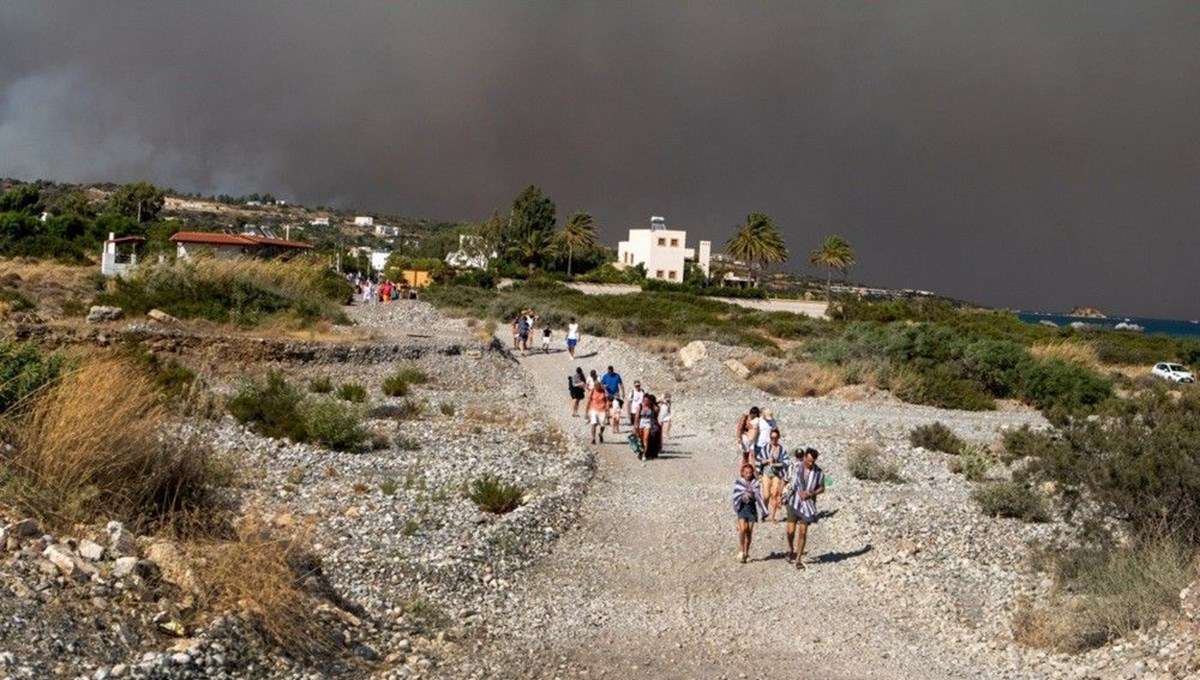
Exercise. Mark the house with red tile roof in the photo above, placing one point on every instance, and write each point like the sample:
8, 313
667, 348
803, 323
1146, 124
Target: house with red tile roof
233, 246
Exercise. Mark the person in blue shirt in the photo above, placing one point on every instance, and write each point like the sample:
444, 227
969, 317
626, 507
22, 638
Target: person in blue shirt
612, 384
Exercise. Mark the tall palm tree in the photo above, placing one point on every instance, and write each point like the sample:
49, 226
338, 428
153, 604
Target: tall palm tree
758, 242
534, 248
835, 253
579, 232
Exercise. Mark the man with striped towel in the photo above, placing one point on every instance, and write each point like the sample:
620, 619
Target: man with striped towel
806, 482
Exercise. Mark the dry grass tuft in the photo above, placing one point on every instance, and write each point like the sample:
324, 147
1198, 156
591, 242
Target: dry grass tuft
656, 345
798, 380
267, 573
93, 446
490, 415
1066, 350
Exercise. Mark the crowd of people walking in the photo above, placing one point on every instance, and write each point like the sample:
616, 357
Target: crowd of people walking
769, 478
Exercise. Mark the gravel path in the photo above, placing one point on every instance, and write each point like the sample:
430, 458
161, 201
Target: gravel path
647, 582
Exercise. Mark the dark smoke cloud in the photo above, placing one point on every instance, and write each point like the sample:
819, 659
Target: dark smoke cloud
1026, 154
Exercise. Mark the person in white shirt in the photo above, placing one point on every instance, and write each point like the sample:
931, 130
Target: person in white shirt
572, 336
635, 400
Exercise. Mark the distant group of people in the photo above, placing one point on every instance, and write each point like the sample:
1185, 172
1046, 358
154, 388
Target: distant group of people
609, 403
770, 478
527, 325
385, 291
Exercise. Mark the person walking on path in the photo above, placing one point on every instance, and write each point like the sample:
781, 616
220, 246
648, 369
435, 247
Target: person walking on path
597, 411
572, 336
575, 385
774, 470
645, 423
744, 434
749, 507
612, 383
635, 401
807, 482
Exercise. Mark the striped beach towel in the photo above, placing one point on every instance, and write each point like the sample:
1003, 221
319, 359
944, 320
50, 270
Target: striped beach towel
805, 480
756, 497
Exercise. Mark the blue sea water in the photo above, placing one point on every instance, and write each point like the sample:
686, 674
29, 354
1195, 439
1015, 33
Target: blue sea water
1174, 327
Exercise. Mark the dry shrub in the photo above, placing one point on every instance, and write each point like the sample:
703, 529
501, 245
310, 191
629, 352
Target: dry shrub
267, 573
492, 415
756, 363
656, 345
1071, 352
867, 462
798, 380
94, 447
1112, 593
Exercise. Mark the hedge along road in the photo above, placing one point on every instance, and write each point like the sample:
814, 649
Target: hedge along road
804, 307
648, 583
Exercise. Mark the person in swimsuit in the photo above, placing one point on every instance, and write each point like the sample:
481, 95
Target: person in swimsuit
749, 507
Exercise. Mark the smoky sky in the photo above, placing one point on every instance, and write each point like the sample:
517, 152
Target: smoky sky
1033, 155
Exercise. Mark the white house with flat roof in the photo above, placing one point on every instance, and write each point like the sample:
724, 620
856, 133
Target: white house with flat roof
663, 251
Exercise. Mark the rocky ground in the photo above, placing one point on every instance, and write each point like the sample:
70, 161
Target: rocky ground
610, 567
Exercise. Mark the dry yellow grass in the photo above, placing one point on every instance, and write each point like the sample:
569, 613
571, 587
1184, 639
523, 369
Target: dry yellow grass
798, 380
655, 345
1069, 351
92, 447
267, 573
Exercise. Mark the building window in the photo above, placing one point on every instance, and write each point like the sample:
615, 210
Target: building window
658, 274
671, 275
674, 243
662, 241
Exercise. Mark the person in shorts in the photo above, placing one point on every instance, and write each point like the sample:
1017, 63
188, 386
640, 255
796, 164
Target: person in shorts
749, 507
773, 470
546, 339
807, 482
597, 411
572, 336
575, 387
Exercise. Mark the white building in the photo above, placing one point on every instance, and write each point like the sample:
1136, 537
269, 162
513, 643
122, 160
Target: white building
320, 222
386, 230
120, 254
364, 221
663, 251
471, 253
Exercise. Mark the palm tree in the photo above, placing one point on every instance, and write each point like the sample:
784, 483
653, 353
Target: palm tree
533, 248
835, 252
758, 242
579, 232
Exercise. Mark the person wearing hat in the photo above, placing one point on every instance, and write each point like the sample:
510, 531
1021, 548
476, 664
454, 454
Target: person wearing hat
635, 401
749, 507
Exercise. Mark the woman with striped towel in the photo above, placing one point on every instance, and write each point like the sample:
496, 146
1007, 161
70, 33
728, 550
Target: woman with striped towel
750, 507
806, 483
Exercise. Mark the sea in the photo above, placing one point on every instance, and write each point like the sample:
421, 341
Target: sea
1172, 327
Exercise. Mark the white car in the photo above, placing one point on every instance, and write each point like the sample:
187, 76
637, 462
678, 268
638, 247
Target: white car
1175, 372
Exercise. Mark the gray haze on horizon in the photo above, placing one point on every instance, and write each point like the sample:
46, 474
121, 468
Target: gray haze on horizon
1036, 155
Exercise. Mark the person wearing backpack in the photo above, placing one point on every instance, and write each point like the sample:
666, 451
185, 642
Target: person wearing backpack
575, 384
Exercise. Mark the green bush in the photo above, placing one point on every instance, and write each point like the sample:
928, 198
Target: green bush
1067, 387
412, 375
936, 387
1027, 442
867, 463
395, 386
1011, 499
334, 425
1136, 459
321, 385
492, 495
996, 366
936, 437
24, 369
245, 292
353, 392
270, 408
976, 462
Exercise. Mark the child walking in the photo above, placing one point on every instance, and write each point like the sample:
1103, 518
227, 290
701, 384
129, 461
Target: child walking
749, 507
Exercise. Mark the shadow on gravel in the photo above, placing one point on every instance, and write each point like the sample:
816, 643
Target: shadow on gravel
834, 557
674, 454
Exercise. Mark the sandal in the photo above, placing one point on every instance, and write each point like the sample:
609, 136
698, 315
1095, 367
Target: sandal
799, 564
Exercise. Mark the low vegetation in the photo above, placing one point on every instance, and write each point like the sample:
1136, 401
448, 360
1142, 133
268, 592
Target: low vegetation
1011, 499
67, 465
867, 463
247, 292
352, 392
276, 408
491, 494
936, 437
